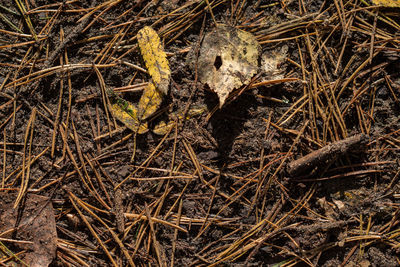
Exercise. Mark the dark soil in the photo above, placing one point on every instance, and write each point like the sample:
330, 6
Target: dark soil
215, 190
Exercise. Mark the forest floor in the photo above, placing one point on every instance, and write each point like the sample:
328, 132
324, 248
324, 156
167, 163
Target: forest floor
295, 169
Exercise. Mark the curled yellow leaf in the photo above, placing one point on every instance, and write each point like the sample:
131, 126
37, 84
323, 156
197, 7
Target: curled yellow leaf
149, 102
163, 127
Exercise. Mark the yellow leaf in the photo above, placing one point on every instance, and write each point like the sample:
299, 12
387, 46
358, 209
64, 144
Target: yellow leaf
162, 128
155, 58
386, 3
126, 112
149, 102
196, 110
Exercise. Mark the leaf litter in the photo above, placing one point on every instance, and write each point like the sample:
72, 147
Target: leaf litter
127, 113
346, 55
271, 61
149, 102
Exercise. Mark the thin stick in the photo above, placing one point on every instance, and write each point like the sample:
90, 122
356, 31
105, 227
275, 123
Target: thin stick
26, 160
322, 155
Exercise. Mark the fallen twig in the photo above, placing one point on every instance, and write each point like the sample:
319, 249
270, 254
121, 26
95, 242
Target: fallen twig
325, 155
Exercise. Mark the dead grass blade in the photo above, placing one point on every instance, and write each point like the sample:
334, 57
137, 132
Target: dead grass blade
160, 253
114, 235
178, 219
147, 161
28, 21
91, 229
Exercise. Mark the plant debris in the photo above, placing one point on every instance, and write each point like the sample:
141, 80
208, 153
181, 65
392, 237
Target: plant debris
157, 65
127, 113
271, 62
386, 3
149, 102
228, 59
214, 190
31, 227
324, 156
155, 58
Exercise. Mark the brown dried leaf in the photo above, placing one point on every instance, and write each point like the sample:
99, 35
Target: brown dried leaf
35, 223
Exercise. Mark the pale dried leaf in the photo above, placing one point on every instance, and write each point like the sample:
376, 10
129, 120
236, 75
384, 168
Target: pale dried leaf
271, 61
228, 59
